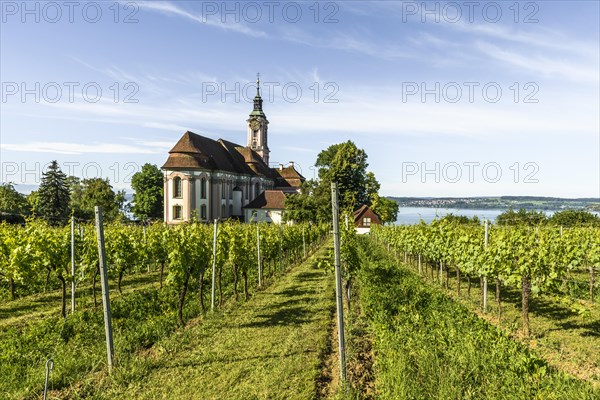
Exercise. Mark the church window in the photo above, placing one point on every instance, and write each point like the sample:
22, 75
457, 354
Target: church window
203, 211
177, 188
223, 211
256, 190
203, 188
231, 209
177, 214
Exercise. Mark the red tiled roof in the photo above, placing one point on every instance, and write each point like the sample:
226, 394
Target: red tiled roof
288, 177
269, 199
366, 210
195, 151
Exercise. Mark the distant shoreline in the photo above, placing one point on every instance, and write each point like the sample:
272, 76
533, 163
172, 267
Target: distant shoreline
500, 203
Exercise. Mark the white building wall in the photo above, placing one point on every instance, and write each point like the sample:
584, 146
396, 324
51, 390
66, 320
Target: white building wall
191, 200
270, 216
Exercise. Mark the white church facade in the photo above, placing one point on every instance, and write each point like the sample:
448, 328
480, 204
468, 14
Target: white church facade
206, 179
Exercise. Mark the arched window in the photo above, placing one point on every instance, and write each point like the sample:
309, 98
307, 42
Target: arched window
203, 211
230, 209
177, 214
223, 189
223, 211
177, 188
203, 188
256, 189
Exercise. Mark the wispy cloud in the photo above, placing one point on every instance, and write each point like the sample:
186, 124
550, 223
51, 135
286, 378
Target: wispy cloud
169, 8
541, 38
165, 126
544, 65
356, 42
78, 148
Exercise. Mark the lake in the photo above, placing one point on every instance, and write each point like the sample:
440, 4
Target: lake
412, 215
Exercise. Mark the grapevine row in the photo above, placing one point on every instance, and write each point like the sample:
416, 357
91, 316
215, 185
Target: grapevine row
36, 254
536, 259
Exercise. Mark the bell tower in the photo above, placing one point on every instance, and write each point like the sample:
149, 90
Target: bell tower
257, 126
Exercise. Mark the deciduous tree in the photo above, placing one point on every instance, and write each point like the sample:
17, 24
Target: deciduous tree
148, 196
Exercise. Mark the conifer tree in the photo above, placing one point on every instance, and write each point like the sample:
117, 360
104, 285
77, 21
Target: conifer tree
54, 196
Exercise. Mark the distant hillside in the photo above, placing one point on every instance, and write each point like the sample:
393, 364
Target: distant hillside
502, 202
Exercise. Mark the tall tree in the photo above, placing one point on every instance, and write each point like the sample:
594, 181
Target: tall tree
148, 196
53, 201
99, 192
386, 209
11, 201
345, 164
76, 199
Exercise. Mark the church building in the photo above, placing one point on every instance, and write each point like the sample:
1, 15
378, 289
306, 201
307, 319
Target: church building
208, 179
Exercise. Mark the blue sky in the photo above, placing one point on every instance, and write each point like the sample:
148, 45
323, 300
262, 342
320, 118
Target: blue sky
447, 98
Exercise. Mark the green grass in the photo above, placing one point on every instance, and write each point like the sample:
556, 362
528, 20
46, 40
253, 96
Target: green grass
268, 347
38, 306
428, 346
148, 339
564, 331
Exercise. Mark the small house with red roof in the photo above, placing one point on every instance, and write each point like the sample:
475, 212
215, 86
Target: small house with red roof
364, 218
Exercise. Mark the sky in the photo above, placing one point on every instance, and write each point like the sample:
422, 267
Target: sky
448, 99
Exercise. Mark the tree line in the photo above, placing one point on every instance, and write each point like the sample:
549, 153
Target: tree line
60, 197
347, 165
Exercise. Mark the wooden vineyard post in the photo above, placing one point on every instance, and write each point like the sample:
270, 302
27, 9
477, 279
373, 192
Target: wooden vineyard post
338, 281
303, 242
214, 269
104, 283
260, 272
592, 280
72, 264
485, 280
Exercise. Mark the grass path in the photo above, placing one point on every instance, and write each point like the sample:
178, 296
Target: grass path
270, 347
40, 305
429, 346
565, 332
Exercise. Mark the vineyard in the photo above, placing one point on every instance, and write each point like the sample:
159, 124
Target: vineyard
170, 273
416, 301
536, 283
35, 257
427, 345
535, 259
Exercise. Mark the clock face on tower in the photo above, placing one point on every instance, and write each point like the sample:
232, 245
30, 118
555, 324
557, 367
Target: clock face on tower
255, 125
